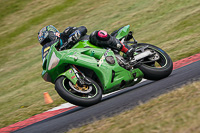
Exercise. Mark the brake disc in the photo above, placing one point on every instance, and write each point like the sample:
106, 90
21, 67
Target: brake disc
85, 89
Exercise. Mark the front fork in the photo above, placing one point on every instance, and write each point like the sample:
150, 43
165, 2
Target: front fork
76, 77
82, 80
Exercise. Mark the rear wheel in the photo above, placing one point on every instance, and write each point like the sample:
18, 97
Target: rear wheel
86, 95
157, 66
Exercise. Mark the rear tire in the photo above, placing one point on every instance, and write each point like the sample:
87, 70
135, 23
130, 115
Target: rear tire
64, 89
155, 73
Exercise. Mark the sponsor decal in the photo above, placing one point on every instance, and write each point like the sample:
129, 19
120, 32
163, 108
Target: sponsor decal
102, 58
73, 77
44, 55
46, 49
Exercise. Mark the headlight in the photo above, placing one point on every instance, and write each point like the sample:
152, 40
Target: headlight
53, 61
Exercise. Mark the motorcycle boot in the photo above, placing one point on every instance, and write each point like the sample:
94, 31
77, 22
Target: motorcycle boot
103, 39
126, 49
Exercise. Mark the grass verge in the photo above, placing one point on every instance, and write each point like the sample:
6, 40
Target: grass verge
174, 112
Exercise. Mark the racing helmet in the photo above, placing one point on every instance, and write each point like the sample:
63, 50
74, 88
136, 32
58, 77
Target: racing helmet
47, 34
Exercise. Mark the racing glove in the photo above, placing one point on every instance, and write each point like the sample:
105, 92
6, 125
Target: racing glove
74, 36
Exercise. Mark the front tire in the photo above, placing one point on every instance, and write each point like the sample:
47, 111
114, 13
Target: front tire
150, 70
65, 89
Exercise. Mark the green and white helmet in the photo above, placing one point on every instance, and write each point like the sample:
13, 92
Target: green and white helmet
48, 34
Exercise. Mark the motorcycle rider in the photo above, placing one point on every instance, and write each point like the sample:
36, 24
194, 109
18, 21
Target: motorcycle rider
71, 35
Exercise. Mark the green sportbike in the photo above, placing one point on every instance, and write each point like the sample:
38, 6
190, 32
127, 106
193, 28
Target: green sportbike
85, 72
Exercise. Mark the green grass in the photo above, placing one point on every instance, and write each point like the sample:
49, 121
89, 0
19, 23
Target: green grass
175, 112
171, 25
9, 7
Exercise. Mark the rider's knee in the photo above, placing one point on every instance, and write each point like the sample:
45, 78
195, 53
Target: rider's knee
100, 38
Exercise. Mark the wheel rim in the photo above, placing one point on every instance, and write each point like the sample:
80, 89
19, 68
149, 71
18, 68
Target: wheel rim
160, 63
81, 92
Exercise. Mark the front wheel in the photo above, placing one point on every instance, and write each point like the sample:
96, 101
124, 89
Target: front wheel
157, 66
86, 95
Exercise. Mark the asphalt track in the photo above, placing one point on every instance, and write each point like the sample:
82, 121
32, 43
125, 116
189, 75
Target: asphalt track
115, 103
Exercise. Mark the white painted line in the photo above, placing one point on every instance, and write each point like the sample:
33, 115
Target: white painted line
62, 106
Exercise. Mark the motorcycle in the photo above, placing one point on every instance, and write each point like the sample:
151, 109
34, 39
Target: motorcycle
85, 72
